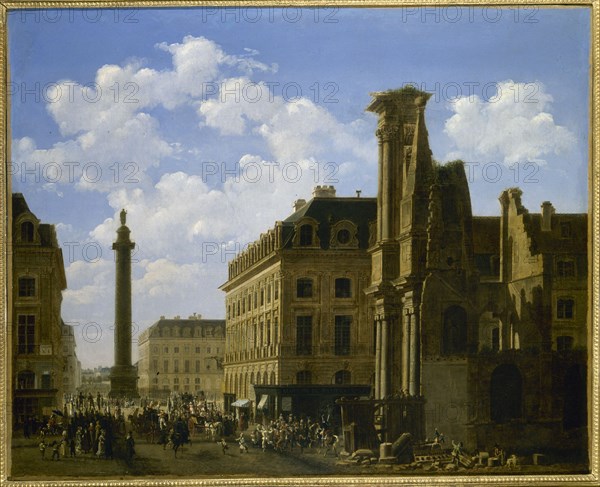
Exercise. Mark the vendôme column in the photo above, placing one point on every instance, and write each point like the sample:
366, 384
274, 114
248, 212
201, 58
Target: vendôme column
123, 375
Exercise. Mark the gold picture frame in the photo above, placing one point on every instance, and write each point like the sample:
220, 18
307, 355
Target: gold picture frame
593, 381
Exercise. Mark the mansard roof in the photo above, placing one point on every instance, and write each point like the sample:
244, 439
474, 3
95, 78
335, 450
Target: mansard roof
327, 211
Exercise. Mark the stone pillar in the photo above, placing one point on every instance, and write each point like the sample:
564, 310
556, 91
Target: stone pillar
377, 392
415, 353
385, 366
406, 356
123, 376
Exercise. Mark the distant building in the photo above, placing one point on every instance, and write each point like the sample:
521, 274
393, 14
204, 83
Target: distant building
182, 355
38, 279
299, 334
72, 365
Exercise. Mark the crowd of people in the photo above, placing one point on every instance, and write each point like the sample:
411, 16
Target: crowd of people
99, 427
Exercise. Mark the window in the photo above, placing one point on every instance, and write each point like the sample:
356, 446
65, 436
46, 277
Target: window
455, 331
176, 380
243, 305
342, 288
306, 235
303, 377
166, 367
27, 232
175, 365
564, 343
565, 229
255, 299
155, 365
26, 287
197, 366
269, 293
342, 335
155, 349
186, 349
495, 339
26, 380
197, 349
186, 380
565, 309
176, 350
166, 350
228, 311
304, 288
342, 377
262, 297
276, 329
207, 349
197, 380
343, 236
186, 366
565, 268
268, 334
46, 380
304, 335
276, 291
26, 333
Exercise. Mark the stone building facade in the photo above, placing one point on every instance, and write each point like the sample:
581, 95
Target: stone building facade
182, 356
72, 365
38, 279
296, 314
481, 322
474, 326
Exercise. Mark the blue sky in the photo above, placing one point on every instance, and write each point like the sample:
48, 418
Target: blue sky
181, 95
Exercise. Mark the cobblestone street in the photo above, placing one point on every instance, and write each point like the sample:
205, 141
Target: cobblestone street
205, 459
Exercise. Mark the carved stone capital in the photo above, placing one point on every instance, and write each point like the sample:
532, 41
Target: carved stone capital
386, 132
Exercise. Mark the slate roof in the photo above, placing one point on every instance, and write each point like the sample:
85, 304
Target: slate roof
328, 211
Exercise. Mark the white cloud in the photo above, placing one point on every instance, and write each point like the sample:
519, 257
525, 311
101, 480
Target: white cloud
512, 127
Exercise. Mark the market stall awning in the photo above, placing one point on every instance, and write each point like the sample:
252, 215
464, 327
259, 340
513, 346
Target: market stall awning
264, 400
241, 403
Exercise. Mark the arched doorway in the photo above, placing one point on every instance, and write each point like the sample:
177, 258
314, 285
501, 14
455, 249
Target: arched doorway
506, 393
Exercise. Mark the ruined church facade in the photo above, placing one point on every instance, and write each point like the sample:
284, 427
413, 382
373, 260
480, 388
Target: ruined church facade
480, 322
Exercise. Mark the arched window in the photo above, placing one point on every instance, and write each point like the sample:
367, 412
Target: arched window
506, 391
342, 377
455, 331
304, 288
303, 377
26, 232
343, 287
306, 235
495, 338
272, 381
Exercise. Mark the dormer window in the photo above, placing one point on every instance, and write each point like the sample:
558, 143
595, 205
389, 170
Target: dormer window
306, 235
344, 235
27, 232
565, 229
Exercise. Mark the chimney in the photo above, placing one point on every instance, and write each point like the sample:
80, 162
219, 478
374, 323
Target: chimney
324, 192
358, 191
162, 317
299, 204
547, 212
